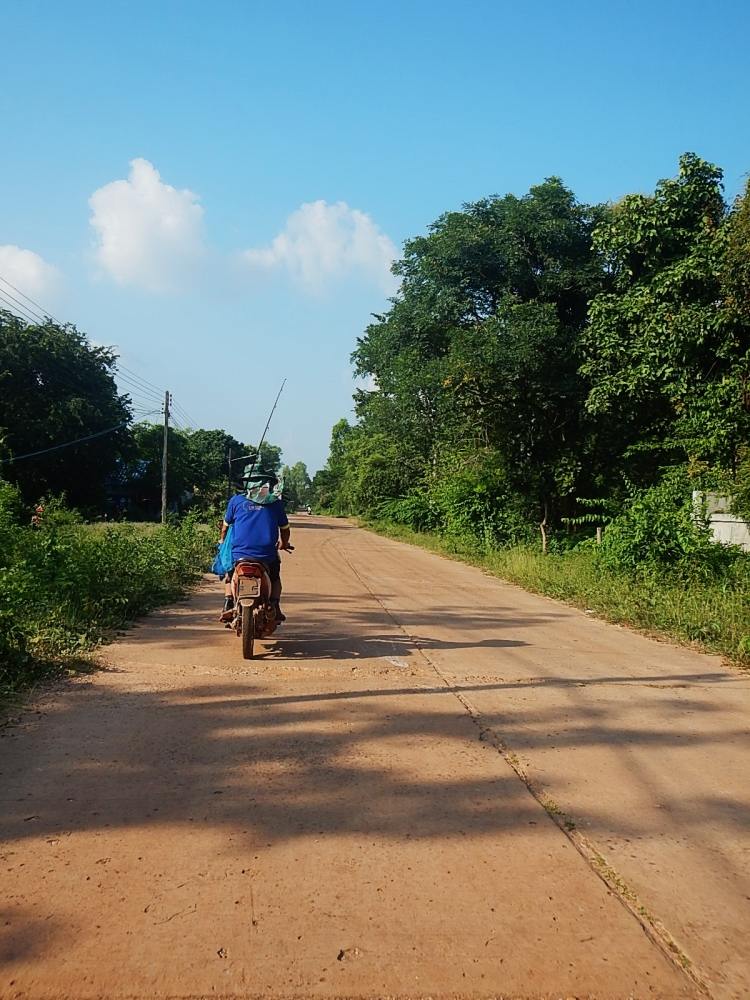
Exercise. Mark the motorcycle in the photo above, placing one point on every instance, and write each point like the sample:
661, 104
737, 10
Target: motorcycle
254, 615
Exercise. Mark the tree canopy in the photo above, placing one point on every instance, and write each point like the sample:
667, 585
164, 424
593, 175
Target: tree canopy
542, 350
297, 485
667, 347
56, 387
197, 468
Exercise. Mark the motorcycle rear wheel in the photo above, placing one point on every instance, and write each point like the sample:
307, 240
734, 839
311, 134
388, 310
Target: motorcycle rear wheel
248, 633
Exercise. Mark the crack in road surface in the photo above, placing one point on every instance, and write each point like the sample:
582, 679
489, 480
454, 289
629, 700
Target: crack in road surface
651, 924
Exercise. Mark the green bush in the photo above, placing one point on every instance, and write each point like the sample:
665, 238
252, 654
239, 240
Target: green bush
64, 586
471, 504
415, 510
11, 508
662, 530
740, 487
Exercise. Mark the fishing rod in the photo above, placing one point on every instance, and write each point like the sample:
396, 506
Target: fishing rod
256, 457
268, 422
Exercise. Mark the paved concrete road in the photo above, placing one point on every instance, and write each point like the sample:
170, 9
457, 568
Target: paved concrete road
379, 804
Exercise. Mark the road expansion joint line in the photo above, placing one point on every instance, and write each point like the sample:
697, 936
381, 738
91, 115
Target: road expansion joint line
651, 925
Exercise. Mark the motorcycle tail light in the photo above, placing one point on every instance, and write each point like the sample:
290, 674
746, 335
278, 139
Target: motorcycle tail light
249, 570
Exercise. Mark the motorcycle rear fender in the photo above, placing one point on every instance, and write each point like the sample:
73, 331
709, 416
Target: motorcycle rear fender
247, 575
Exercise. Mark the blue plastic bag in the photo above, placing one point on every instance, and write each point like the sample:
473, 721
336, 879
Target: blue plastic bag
223, 562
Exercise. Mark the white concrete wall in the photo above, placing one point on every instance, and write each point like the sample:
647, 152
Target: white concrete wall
725, 527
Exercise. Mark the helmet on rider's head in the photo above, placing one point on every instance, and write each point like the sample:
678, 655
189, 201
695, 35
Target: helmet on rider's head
262, 486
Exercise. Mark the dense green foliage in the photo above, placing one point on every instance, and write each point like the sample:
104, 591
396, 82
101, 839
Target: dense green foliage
67, 436
541, 350
297, 486
475, 364
197, 470
55, 386
65, 585
667, 349
550, 367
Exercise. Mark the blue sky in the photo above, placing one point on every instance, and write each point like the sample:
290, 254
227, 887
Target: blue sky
217, 188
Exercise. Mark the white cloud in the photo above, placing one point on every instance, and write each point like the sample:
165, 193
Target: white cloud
29, 272
149, 234
322, 242
368, 384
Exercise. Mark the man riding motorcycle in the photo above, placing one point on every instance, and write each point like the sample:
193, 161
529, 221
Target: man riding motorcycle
261, 528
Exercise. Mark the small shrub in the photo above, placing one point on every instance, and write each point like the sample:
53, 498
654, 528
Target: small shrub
661, 530
65, 586
11, 507
740, 487
471, 505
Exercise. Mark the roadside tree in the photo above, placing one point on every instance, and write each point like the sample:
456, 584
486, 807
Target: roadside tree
56, 387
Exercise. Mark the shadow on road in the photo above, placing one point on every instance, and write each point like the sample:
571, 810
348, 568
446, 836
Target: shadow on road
283, 765
359, 737
337, 627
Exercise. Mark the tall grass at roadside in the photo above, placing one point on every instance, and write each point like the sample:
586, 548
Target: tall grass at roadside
64, 587
712, 613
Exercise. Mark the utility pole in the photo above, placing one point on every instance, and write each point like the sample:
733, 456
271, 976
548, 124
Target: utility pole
164, 459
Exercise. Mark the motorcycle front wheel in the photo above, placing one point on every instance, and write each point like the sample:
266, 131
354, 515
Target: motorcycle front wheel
248, 633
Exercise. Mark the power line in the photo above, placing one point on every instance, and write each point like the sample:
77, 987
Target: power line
143, 408
125, 374
29, 311
72, 381
184, 414
40, 317
139, 378
144, 388
191, 420
148, 392
140, 389
136, 395
29, 299
136, 382
70, 378
27, 314
66, 444
143, 401
18, 310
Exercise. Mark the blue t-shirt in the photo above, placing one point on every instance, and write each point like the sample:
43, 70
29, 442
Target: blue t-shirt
256, 527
